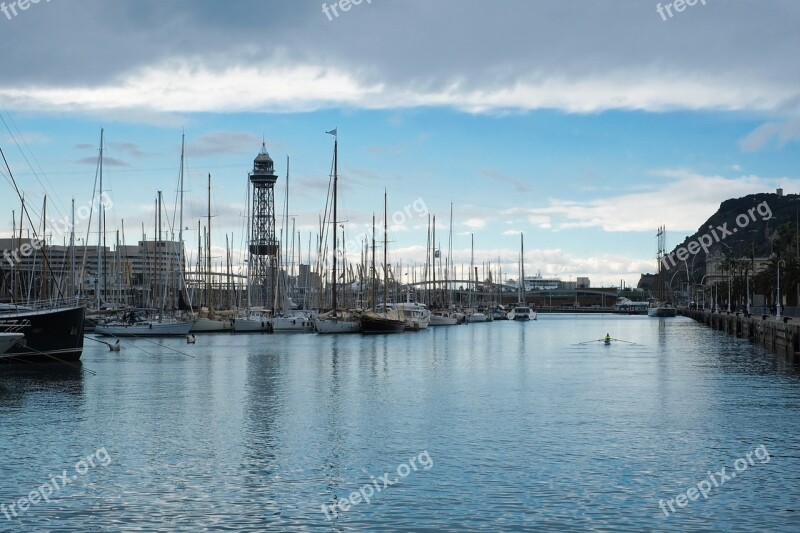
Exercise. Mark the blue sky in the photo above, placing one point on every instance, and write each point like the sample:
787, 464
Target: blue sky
582, 125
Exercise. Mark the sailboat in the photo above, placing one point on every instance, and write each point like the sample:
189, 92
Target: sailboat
521, 311
137, 323
473, 315
660, 308
385, 320
337, 320
206, 320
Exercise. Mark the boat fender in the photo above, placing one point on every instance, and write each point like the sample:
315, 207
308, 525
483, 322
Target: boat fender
262, 323
151, 325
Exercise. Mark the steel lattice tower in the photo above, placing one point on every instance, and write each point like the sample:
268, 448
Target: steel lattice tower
263, 244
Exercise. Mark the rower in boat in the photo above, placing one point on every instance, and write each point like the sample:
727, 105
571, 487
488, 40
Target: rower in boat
607, 340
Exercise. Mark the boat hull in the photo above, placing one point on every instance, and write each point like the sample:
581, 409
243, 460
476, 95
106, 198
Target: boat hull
332, 326
208, 325
147, 329
51, 335
475, 318
661, 312
253, 324
437, 320
376, 324
292, 324
8, 340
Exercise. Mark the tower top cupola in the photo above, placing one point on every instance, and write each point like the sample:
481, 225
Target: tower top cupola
263, 168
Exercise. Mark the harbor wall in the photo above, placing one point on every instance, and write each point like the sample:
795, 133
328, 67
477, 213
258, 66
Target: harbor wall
781, 337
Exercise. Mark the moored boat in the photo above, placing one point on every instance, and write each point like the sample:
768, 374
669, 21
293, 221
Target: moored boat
443, 318
136, 325
522, 312
416, 315
387, 322
338, 322
51, 334
661, 310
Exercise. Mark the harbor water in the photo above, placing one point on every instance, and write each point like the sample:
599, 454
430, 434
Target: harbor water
500, 426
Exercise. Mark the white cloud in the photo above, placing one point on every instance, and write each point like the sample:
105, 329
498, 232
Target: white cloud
181, 86
682, 200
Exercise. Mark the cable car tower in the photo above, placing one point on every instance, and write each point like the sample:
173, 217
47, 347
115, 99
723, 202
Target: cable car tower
264, 246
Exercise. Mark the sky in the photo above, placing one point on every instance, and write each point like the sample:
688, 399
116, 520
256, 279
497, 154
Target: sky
583, 125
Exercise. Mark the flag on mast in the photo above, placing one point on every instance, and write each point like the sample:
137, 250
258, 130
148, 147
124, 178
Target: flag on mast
332, 132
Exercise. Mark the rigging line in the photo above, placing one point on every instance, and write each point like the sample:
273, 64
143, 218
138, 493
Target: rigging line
25, 210
41, 170
125, 343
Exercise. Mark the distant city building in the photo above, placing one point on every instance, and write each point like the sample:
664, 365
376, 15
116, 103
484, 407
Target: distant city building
538, 283
583, 283
133, 270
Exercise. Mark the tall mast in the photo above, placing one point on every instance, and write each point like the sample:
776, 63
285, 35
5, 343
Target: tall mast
385, 255
208, 248
522, 268
180, 218
72, 251
158, 252
100, 227
335, 238
433, 302
45, 273
374, 295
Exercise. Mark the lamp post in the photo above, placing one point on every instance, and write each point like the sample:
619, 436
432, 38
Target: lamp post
704, 290
778, 302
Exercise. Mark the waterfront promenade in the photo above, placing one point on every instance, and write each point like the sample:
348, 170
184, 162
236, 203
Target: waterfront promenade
781, 336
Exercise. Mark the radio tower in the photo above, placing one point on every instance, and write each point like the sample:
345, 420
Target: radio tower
263, 244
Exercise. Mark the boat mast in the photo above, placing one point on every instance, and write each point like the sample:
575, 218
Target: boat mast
434, 263
374, 273
72, 251
180, 221
209, 295
45, 273
335, 233
100, 227
158, 251
521, 292
385, 256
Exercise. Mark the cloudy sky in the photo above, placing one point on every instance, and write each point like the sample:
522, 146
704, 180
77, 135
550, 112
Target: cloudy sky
582, 124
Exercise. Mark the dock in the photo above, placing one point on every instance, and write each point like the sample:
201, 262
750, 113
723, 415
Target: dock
780, 336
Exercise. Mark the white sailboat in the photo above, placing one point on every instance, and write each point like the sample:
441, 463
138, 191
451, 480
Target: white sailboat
136, 323
473, 315
521, 311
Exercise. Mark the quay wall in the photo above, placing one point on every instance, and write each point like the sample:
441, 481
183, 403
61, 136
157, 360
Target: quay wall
781, 337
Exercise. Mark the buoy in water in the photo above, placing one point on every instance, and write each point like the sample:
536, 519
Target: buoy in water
190, 339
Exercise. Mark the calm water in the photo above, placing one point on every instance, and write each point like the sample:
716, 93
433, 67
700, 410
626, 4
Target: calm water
512, 427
